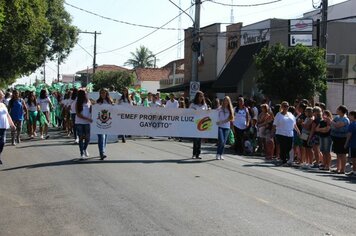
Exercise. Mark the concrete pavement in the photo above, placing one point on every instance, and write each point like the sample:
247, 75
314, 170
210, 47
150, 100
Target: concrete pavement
152, 187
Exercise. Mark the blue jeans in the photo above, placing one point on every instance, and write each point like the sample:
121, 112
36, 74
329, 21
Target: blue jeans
72, 116
223, 135
196, 147
83, 131
2, 139
102, 140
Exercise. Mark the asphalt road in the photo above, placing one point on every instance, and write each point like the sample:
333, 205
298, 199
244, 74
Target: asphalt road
152, 187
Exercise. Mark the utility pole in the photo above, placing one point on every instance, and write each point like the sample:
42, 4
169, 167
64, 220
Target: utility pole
196, 44
94, 56
324, 25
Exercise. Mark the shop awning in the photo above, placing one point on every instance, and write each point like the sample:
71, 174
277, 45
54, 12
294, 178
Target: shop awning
234, 71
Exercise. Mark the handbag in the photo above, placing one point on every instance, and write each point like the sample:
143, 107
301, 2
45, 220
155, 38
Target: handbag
304, 136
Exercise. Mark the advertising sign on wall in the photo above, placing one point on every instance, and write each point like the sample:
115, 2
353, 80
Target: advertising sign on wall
303, 39
301, 25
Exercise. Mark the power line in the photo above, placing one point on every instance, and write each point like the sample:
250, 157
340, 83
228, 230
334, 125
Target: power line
119, 21
84, 50
241, 5
169, 47
145, 36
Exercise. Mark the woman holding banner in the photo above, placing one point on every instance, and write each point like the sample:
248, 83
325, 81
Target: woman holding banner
104, 98
125, 100
226, 115
198, 104
82, 122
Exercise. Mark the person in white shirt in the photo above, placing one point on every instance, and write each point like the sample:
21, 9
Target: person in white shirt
154, 102
71, 108
5, 123
125, 100
284, 123
104, 98
241, 124
33, 113
172, 102
225, 116
198, 104
82, 122
45, 107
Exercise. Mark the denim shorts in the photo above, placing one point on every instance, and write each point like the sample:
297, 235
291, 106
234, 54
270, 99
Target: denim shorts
325, 144
338, 145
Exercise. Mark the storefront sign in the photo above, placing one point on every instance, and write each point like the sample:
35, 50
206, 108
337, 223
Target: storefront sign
303, 39
301, 25
147, 121
255, 36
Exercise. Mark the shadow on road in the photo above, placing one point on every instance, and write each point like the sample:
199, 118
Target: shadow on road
96, 160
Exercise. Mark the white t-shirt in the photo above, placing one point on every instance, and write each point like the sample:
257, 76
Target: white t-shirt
198, 106
284, 124
224, 115
155, 104
32, 107
255, 113
170, 104
4, 122
44, 104
85, 112
72, 103
64, 102
240, 118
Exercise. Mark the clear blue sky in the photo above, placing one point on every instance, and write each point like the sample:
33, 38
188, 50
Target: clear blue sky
155, 13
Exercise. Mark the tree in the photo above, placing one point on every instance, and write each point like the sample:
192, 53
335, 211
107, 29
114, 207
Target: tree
290, 73
113, 80
31, 32
142, 58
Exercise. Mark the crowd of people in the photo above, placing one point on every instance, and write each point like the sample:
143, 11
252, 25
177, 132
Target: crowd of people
302, 134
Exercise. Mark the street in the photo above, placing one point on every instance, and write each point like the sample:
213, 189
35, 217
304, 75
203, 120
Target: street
153, 187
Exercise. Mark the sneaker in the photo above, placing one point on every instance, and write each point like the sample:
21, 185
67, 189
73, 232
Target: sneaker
76, 140
86, 153
102, 157
315, 165
82, 157
193, 157
35, 134
47, 136
222, 158
42, 137
197, 157
217, 157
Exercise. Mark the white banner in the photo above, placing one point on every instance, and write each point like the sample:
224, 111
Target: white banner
153, 122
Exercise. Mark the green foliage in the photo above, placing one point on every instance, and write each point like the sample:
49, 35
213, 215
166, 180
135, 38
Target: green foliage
30, 32
290, 73
63, 36
113, 80
142, 58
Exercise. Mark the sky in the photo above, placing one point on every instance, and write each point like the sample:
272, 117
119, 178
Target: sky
156, 13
